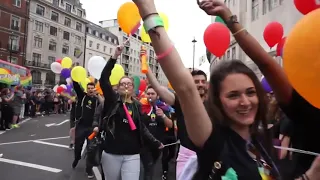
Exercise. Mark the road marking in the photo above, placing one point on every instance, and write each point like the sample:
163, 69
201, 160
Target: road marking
45, 139
96, 171
35, 166
51, 144
59, 124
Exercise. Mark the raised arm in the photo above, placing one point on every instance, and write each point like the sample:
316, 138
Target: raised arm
198, 124
108, 93
163, 92
269, 67
78, 90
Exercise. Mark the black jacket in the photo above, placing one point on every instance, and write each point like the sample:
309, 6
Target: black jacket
106, 114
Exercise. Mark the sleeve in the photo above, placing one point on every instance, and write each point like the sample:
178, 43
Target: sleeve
148, 137
176, 106
105, 85
97, 115
299, 108
78, 90
286, 127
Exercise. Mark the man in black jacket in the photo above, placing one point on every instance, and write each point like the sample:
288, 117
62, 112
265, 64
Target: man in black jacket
85, 109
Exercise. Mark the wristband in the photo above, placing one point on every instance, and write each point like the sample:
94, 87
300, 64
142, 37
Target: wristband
166, 53
152, 22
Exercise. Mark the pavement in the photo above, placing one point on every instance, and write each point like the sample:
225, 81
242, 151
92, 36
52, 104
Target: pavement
38, 150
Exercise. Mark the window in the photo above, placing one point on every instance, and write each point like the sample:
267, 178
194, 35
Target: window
233, 53
52, 46
228, 54
67, 21
15, 23
90, 43
36, 57
39, 26
66, 35
104, 48
77, 39
273, 4
77, 52
65, 49
255, 10
16, 3
55, 2
14, 43
110, 50
53, 31
68, 7
13, 60
78, 26
40, 10
54, 16
90, 55
98, 46
264, 6
51, 59
37, 42
79, 13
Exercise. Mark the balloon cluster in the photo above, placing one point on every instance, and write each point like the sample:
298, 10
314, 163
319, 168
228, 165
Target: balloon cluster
62, 66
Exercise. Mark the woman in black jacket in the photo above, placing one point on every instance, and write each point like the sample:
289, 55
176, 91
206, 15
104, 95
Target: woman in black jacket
122, 142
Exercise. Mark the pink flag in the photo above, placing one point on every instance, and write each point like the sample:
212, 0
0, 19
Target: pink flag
131, 123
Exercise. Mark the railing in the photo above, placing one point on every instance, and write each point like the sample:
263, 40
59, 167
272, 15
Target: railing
13, 48
16, 28
36, 81
37, 64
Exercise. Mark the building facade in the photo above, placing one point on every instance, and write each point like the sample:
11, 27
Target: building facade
56, 30
13, 30
130, 58
99, 42
254, 15
202, 60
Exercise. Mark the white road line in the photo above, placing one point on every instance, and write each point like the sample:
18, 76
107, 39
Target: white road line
22, 122
45, 139
35, 166
96, 171
51, 144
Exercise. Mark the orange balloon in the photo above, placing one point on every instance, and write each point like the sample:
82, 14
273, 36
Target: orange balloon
91, 79
98, 88
128, 17
301, 57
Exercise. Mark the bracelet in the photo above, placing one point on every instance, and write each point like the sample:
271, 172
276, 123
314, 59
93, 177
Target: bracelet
166, 53
152, 22
243, 29
145, 17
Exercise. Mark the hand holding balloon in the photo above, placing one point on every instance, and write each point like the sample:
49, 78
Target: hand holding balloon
118, 52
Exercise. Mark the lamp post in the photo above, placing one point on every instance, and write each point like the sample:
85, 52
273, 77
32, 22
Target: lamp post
194, 50
11, 42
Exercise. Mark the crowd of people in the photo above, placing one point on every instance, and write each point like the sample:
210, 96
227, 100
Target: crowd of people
18, 103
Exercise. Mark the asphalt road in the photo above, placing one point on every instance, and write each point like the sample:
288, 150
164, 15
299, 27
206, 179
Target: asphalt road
38, 150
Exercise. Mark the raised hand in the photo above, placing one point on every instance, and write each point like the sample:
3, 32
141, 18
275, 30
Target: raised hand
215, 8
118, 52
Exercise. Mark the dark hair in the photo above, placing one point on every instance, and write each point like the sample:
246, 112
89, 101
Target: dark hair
218, 74
91, 84
4, 91
198, 73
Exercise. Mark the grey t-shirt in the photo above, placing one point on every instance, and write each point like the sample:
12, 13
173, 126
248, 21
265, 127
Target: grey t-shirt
17, 100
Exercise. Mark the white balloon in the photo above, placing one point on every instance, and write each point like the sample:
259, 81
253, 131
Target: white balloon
55, 88
69, 81
95, 66
64, 86
56, 67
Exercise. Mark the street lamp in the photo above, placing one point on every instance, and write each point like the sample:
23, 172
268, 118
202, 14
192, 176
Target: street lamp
194, 50
11, 42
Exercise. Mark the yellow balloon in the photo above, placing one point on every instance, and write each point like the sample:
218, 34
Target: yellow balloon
84, 84
128, 17
66, 62
116, 74
145, 37
78, 74
301, 57
92, 79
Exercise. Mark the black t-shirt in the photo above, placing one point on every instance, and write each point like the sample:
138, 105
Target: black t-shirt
306, 121
155, 125
230, 150
182, 130
124, 141
85, 110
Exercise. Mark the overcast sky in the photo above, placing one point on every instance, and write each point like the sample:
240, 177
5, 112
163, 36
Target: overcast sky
186, 21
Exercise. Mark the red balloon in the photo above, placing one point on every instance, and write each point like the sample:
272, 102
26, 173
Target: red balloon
60, 89
306, 6
143, 85
217, 38
59, 60
280, 46
273, 33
